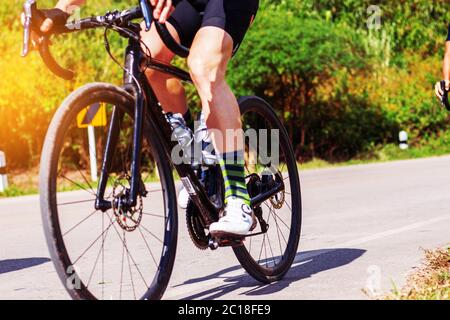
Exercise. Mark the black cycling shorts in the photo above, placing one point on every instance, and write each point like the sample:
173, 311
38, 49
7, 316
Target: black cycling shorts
233, 16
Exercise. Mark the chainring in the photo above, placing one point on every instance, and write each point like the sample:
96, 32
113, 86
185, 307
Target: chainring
195, 227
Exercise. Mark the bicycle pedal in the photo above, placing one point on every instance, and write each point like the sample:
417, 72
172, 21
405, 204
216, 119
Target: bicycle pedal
232, 242
213, 244
226, 241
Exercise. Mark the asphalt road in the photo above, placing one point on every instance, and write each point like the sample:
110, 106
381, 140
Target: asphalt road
364, 228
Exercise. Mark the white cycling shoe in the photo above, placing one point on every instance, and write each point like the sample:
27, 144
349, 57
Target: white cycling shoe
238, 220
183, 198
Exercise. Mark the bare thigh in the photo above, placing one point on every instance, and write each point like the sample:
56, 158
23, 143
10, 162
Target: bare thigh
152, 41
208, 60
168, 90
210, 53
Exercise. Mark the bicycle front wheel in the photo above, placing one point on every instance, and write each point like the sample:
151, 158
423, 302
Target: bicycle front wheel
117, 254
269, 160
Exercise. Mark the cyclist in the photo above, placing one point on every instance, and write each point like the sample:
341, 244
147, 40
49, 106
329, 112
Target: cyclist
445, 69
214, 30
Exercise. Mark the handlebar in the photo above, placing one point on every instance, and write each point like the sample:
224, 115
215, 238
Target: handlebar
34, 18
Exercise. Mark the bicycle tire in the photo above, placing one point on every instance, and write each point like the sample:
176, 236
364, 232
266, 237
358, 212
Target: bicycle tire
49, 161
264, 275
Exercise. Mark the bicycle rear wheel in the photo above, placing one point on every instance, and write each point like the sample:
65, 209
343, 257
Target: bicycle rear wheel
269, 158
117, 254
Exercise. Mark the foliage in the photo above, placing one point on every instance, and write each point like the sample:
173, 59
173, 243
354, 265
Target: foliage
341, 89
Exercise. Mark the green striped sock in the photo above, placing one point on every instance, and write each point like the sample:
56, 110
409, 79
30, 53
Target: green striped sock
232, 164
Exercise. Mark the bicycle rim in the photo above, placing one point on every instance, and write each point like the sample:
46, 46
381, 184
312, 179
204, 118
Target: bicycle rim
126, 254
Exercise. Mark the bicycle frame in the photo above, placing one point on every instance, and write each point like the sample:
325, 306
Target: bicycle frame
147, 111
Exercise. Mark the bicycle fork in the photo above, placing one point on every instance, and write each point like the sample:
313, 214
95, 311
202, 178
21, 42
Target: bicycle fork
132, 66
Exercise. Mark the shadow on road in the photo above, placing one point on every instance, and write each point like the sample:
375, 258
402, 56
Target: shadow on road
305, 265
19, 264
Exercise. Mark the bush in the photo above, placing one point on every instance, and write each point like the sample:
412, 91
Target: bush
342, 90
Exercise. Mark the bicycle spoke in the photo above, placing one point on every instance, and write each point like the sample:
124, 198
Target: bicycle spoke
90, 246
151, 233
276, 222
278, 235
97, 258
268, 241
153, 215
79, 185
103, 258
75, 202
130, 256
121, 271
265, 249
150, 251
260, 252
79, 223
289, 206
129, 268
278, 217
86, 180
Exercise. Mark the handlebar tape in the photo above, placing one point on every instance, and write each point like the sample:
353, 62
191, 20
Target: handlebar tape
51, 63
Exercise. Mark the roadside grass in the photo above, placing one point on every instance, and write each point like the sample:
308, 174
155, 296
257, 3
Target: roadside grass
16, 191
26, 183
431, 281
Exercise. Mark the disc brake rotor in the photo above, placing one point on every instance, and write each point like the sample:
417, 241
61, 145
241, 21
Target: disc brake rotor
128, 219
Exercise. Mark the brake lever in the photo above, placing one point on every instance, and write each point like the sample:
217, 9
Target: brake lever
27, 9
32, 16
147, 13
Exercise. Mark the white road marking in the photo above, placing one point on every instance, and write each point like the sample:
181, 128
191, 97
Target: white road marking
392, 232
190, 289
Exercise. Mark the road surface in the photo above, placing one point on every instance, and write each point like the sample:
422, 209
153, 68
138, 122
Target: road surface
364, 228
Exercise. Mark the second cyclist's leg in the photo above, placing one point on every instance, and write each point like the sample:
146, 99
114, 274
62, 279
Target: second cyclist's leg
210, 53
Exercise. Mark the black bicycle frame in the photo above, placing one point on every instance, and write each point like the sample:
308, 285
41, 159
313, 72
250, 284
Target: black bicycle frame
147, 111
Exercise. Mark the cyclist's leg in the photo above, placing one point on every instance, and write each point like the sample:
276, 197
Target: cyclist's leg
168, 90
183, 25
210, 53
208, 60
223, 28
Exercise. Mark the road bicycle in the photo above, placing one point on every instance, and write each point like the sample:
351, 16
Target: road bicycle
107, 185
